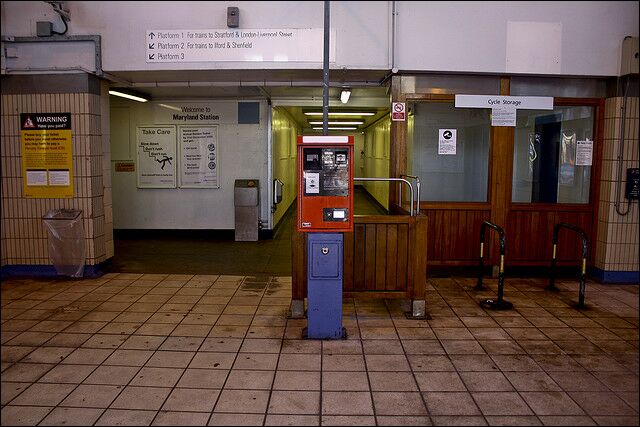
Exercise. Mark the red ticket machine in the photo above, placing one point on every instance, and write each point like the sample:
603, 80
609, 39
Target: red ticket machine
325, 184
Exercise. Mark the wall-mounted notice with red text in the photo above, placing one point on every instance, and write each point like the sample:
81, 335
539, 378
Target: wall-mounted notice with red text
47, 164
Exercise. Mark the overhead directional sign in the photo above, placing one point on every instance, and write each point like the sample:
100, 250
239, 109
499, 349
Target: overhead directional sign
272, 45
503, 108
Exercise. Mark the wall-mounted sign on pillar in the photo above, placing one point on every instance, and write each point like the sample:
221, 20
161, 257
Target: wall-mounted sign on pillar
47, 164
398, 112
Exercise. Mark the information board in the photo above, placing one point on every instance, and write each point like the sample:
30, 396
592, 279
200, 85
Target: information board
198, 156
156, 147
47, 163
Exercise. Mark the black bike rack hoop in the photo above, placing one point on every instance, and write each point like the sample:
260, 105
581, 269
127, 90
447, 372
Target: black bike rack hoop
583, 271
500, 303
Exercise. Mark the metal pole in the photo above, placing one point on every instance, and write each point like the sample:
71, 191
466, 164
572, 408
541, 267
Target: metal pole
325, 67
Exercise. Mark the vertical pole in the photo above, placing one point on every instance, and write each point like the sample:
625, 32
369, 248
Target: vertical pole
479, 286
325, 67
552, 279
583, 283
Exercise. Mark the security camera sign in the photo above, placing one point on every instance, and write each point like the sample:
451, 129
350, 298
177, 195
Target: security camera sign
398, 112
447, 141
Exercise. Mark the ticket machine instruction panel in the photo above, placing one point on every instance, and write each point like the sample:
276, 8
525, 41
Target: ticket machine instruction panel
325, 182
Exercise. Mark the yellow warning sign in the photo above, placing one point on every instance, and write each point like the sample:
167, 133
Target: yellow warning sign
47, 163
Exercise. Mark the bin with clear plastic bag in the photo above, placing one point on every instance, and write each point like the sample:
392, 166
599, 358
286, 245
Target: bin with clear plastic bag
66, 241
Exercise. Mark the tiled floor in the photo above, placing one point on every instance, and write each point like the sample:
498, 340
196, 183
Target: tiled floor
139, 349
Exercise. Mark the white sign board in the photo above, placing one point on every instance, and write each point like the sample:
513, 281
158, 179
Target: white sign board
503, 108
503, 116
398, 111
584, 153
198, 156
156, 146
221, 112
447, 141
262, 45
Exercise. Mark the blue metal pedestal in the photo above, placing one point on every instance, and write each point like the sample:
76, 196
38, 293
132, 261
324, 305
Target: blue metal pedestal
324, 286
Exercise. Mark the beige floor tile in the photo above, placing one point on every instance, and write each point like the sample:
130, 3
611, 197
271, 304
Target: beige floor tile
298, 362
394, 381
203, 378
551, 403
242, 401
186, 330
22, 415
72, 417
439, 381
125, 417
515, 363
602, 403
67, 340
9, 390
143, 398
486, 381
71, 374
532, 381
112, 375
87, 356
301, 402
13, 354
450, 403
173, 343
129, 357
249, 380
168, 418
296, 380
345, 381
397, 420
513, 420
559, 420
618, 381
212, 360
157, 377
343, 362
25, 372
501, 403
92, 396
420, 363
385, 346
398, 403
221, 345
462, 347
190, 399
301, 346
261, 345
387, 362
236, 419
171, 359
257, 361
47, 355
458, 420
346, 403
557, 363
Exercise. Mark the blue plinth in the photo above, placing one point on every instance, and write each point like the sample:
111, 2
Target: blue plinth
324, 285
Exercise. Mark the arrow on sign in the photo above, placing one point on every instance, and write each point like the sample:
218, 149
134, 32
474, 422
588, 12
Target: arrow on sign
151, 45
152, 35
151, 56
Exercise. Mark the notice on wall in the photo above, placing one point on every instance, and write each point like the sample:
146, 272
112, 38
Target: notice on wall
261, 45
584, 153
198, 156
398, 112
503, 116
156, 146
447, 141
47, 163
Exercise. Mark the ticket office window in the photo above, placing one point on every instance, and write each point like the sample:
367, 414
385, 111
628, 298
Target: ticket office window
553, 154
454, 169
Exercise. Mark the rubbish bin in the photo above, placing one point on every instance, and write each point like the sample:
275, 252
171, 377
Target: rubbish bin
246, 200
66, 241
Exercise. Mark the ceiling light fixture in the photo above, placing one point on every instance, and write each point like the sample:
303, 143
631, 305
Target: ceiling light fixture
356, 122
344, 95
338, 128
129, 95
340, 113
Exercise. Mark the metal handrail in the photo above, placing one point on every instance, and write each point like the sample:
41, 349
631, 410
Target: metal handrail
585, 250
391, 180
417, 178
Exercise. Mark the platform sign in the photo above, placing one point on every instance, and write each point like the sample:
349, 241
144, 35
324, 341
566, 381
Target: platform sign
156, 146
239, 45
47, 163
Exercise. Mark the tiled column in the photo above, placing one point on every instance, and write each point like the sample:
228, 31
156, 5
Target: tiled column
24, 236
618, 242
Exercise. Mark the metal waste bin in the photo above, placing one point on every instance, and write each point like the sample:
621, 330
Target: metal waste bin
246, 200
66, 241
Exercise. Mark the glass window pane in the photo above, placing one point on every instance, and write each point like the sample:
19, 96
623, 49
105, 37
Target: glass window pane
550, 153
460, 177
